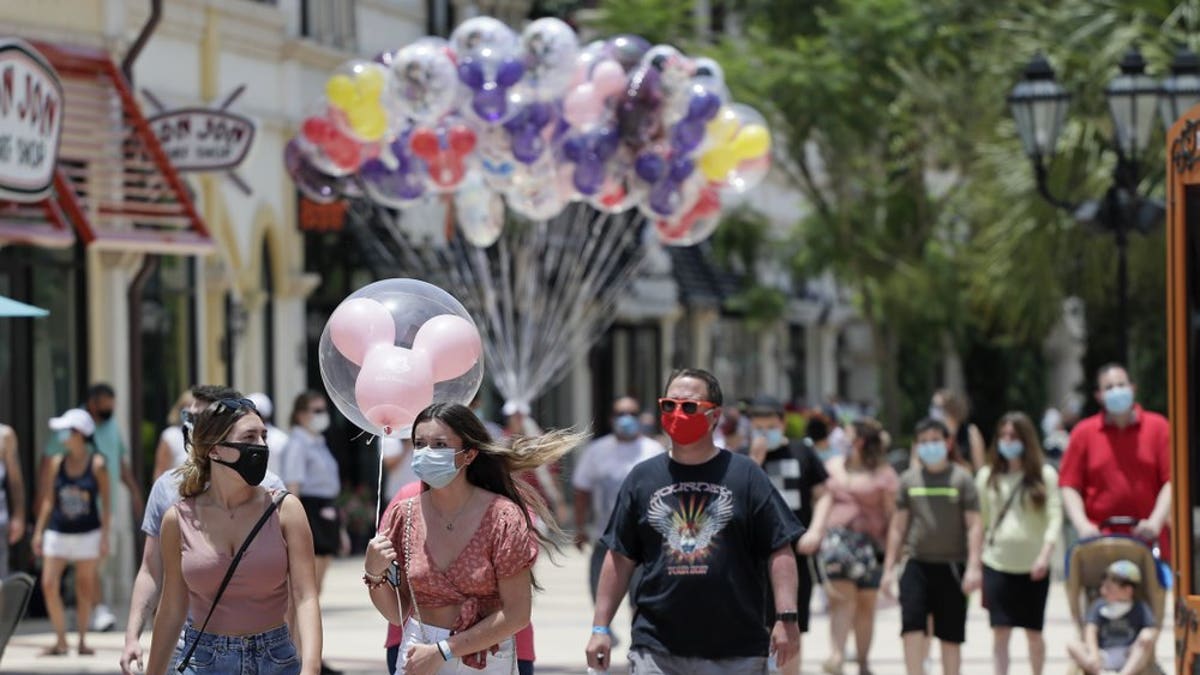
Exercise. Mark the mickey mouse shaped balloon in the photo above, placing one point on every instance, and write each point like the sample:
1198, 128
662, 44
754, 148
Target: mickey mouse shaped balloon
489, 65
393, 348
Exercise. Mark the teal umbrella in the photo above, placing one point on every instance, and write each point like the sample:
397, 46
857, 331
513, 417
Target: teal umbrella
10, 307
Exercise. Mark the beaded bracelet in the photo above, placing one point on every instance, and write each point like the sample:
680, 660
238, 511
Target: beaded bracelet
373, 581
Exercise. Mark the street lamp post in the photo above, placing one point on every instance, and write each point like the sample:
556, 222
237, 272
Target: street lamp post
1039, 106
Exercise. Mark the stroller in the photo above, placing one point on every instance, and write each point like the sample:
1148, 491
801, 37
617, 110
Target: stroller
1088, 559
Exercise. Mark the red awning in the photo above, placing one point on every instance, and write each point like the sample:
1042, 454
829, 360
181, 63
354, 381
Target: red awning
113, 183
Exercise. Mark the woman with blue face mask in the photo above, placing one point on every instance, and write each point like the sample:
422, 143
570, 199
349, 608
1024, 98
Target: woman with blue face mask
463, 550
1022, 516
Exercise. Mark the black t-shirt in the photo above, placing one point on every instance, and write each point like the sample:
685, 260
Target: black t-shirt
794, 470
702, 535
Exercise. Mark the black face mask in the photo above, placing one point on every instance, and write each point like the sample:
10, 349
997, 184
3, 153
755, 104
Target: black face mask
104, 415
251, 465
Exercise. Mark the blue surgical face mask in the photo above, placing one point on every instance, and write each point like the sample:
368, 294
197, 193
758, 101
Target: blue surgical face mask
1010, 449
1118, 400
626, 426
435, 466
63, 434
932, 452
828, 453
775, 438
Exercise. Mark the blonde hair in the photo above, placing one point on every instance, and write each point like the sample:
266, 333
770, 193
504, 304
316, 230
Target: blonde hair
211, 427
174, 417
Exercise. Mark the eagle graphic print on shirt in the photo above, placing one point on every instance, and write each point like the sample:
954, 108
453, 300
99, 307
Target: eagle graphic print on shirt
690, 517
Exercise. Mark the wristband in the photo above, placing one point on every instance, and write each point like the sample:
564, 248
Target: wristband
373, 582
444, 648
601, 630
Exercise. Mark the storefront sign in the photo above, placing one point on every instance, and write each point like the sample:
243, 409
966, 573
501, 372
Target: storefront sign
31, 120
199, 139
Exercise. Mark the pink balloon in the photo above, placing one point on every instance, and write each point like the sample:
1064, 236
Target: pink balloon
608, 78
452, 344
394, 385
359, 324
582, 106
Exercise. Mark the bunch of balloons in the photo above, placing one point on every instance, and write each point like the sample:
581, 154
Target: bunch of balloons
538, 121
393, 348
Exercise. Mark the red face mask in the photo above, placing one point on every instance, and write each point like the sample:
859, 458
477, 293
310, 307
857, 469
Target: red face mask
685, 429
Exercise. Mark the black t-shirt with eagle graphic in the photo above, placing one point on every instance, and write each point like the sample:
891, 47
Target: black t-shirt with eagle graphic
702, 535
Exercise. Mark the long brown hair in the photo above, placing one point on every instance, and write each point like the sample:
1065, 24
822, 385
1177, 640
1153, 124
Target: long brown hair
495, 465
300, 406
1032, 459
868, 434
211, 426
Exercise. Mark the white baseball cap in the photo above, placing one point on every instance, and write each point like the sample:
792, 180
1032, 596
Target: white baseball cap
75, 418
262, 403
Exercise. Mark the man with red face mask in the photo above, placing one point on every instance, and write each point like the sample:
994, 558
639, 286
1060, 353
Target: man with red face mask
706, 529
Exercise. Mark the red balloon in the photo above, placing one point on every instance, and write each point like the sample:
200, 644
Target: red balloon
316, 129
424, 144
342, 150
462, 139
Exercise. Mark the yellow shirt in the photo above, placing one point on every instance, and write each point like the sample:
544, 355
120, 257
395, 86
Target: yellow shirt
1019, 537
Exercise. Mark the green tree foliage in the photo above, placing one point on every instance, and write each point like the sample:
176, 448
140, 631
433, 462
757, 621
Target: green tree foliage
889, 116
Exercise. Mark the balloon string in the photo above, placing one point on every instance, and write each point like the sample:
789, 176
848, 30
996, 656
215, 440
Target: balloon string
379, 491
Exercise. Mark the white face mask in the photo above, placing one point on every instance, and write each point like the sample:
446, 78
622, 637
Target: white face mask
1115, 610
319, 422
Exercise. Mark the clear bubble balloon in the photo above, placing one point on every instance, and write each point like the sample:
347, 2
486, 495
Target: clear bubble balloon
424, 81
311, 182
549, 48
479, 211
358, 94
417, 344
697, 224
482, 33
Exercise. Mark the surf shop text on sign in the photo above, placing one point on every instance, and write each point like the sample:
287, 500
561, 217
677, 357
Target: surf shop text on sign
201, 139
31, 116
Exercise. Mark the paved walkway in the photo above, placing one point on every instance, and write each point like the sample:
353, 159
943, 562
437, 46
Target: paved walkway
354, 632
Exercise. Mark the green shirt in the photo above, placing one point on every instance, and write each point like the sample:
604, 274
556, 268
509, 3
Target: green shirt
1013, 544
107, 440
937, 504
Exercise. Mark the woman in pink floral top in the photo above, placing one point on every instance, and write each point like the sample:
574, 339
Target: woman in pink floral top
863, 486
464, 548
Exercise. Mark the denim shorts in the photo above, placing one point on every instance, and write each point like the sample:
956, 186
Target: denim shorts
267, 653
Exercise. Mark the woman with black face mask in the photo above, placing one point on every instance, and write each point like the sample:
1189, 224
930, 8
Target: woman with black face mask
243, 630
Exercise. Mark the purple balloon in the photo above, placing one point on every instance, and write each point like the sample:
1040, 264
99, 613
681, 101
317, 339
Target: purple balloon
490, 104
687, 135
589, 177
607, 142
509, 72
573, 148
319, 187
703, 106
470, 73
662, 198
681, 169
388, 184
649, 167
527, 146
540, 114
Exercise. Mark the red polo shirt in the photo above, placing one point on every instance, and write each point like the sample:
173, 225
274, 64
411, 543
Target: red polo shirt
1119, 472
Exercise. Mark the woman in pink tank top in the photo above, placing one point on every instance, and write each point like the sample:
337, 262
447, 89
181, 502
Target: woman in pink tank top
864, 487
222, 502
464, 548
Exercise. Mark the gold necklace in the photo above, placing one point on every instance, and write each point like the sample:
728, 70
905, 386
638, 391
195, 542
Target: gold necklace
450, 523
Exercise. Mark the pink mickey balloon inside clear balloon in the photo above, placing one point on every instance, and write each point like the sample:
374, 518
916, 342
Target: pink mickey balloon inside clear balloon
452, 344
372, 369
394, 385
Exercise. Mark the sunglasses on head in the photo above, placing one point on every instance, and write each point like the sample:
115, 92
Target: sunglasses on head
688, 406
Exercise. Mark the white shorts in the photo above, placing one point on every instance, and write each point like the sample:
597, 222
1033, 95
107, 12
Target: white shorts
82, 546
502, 662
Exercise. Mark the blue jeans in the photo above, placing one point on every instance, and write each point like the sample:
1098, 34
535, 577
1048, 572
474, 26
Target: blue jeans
268, 653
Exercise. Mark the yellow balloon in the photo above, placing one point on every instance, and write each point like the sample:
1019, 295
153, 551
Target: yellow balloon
341, 92
717, 163
368, 122
723, 127
753, 141
370, 83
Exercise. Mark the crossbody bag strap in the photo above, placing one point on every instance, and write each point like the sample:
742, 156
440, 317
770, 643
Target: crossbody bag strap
183, 664
1012, 496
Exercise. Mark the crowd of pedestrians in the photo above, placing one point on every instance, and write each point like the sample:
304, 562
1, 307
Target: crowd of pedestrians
711, 503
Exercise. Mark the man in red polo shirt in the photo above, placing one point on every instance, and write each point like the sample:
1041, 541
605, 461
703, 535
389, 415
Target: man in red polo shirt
1118, 463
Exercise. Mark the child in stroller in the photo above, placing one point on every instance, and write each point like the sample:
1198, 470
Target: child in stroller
1117, 594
